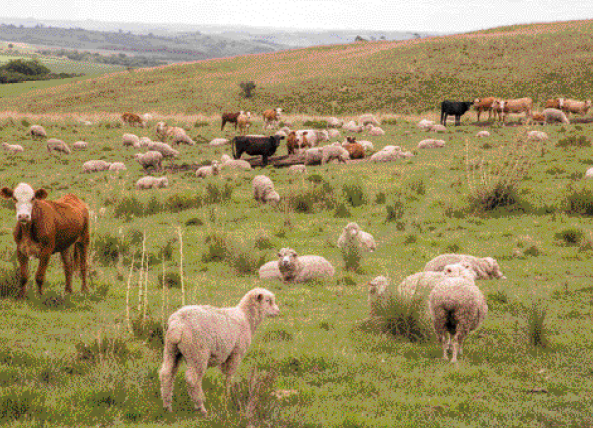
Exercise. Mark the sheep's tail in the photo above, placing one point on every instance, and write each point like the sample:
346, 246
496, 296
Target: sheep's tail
173, 338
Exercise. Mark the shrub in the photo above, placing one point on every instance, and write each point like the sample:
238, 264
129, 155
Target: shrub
417, 186
579, 199
354, 194
215, 249
342, 211
200, 123
217, 193
255, 399
395, 210
319, 124
319, 197
244, 258
102, 348
247, 89
380, 198
150, 330
178, 202
536, 329
574, 141
351, 254
108, 247
570, 236
194, 221
172, 279
9, 280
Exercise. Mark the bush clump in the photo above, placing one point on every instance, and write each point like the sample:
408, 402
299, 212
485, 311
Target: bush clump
319, 124
354, 194
579, 199
574, 141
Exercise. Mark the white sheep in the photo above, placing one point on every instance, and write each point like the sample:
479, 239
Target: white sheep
290, 267
375, 130
438, 128
297, 169
95, 166
313, 156
554, 115
143, 142
334, 122
209, 170
377, 293
263, 190
152, 158
482, 134
219, 142
117, 167
352, 126
177, 135
207, 336
80, 145
457, 307
332, 152
364, 240
589, 173
334, 133
146, 117
37, 131
130, 140
537, 136
431, 143
390, 153
55, 145
425, 124
367, 119
150, 182
484, 268
12, 148
228, 162
163, 148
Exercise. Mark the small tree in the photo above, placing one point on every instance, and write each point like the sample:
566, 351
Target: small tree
247, 89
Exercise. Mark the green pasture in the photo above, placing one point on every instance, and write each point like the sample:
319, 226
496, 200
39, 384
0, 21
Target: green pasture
71, 360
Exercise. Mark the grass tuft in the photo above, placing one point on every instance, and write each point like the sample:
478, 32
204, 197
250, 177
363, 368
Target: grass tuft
536, 328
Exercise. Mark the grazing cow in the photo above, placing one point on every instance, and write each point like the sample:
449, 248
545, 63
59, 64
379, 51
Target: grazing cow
485, 104
457, 108
47, 227
264, 146
132, 119
230, 117
271, 117
516, 106
574, 106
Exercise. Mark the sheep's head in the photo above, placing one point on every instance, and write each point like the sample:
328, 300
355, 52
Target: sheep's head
259, 303
163, 182
493, 268
352, 229
378, 285
461, 269
272, 197
286, 258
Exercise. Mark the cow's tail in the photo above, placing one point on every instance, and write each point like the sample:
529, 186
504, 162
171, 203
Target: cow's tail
223, 123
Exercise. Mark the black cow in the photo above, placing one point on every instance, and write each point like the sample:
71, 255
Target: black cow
458, 108
264, 146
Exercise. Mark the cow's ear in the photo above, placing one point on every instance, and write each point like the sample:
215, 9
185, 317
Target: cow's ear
40, 194
6, 193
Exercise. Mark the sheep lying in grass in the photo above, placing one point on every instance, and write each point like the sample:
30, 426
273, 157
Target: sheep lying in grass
438, 128
153, 159
37, 131
425, 124
374, 130
208, 171
150, 182
297, 169
333, 133
313, 156
95, 166
130, 140
589, 173
207, 336
353, 127
55, 145
80, 145
263, 190
290, 267
352, 231
117, 167
219, 142
12, 148
334, 122
482, 134
431, 144
390, 153
537, 136
484, 268
228, 162
457, 307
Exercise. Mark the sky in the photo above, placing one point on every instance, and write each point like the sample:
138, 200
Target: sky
446, 16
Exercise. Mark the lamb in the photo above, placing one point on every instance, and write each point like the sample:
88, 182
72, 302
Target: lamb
352, 231
227, 162
150, 182
554, 115
208, 171
334, 152
431, 144
178, 135
95, 166
291, 267
457, 307
117, 167
219, 142
297, 169
80, 145
37, 131
130, 140
313, 156
482, 134
207, 336
334, 122
12, 148
367, 119
484, 268
55, 145
263, 190
146, 117
163, 148
152, 158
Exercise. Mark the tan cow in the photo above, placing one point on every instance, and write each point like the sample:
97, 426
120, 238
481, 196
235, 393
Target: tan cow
271, 117
574, 106
485, 104
516, 106
557, 103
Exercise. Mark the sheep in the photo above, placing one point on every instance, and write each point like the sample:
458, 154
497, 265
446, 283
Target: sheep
482, 134
219, 142
150, 182
390, 153
290, 267
95, 166
178, 135
163, 148
146, 117
425, 124
537, 136
334, 152
130, 140
313, 156
117, 167
438, 128
334, 122
263, 190
152, 158
207, 336
55, 145
80, 145
366, 145
12, 148
457, 307
589, 173
352, 126
352, 231
144, 142
368, 118
207, 171
228, 162
375, 130
431, 144
333, 133
554, 115
378, 287
37, 131
297, 169
485, 268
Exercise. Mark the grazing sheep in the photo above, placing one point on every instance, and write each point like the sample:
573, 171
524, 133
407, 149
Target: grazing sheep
207, 336
375, 130
554, 115
80, 145
457, 307
300, 169
313, 156
263, 190
208, 171
484, 268
177, 135
352, 231
117, 167
334, 122
130, 140
291, 267
228, 162
12, 148
425, 124
390, 153
144, 142
483, 134
150, 182
163, 148
37, 131
334, 152
537, 136
219, 142
152, 158
55, 145
431, 144
95, 166
352, 126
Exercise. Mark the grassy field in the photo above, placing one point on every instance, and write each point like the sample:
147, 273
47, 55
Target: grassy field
71, 361
413, 76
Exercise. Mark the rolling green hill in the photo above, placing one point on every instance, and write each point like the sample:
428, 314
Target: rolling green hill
539, 60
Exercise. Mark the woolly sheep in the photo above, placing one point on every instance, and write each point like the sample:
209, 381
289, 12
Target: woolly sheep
457, 307
177, 135
152, 158
334, 122
207, 171
484, 268
117, 167
130, 140
368, 118
334, 152
263, 190
483, 134
207, 336
333, 133
290, 267
378, 287
150, 182
554, 115
375, 130
163, 148
352, 231
219, 142
143, 142
431, 144
12, 148
228, 162
438, 128
425, 124
55, 145
352, 127
589, 173
80, 145
537, 136
146, 117
37, 131
390, 153
313, 156
95, 166
297, 169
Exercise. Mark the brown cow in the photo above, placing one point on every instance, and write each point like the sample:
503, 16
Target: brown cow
485, 104
291, 142
271, 117
519, 105
132, 119
557, 103
574, 106
230, 117
47, 227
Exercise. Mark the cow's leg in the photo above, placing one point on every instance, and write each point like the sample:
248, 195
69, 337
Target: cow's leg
24, 270
84, 247
457, 119
479, 112
40, 275
264, 160
67, 262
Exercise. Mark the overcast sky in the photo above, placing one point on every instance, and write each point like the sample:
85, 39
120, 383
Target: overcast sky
420, 15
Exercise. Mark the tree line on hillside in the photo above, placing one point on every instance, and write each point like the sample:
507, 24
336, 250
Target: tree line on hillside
21, 70
137, 61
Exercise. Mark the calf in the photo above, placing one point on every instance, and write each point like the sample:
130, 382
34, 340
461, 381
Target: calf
291, 143
47, 227
457, 108
132, 119
230, 117
264, 146
271, 117
485, 104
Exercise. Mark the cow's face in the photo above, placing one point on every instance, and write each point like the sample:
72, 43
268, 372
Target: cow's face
24, 196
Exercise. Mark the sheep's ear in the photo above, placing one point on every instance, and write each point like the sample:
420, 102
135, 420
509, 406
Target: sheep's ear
40, 194
6, 193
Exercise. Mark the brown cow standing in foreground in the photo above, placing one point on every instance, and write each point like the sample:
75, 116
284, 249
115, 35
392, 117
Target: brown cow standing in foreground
47, 227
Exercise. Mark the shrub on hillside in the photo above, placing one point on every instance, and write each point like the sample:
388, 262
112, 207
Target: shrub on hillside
9, 279
319, 124
354, 194
579, 199
312, 199
574, 141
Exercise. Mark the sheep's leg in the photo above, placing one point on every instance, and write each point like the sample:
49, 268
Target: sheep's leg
171, 359
229, 368
197, 363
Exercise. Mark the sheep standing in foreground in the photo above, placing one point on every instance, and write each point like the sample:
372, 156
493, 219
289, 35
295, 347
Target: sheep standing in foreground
37, 131
353, 232
332, 152
290, 267
152, 158
457, 307
553, 115
12, 148
150, 182
95, 166
207, 336
484, 268
263, 190
219, 142
208, 171
55, 145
